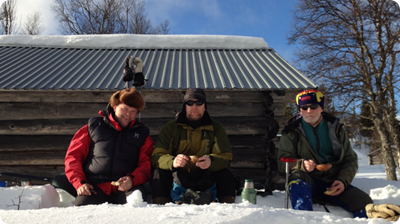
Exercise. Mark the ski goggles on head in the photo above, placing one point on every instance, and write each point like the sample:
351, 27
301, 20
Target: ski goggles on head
191, 103
312, 106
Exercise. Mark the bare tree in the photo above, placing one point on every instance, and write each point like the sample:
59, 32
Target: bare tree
105, 17
163, 28
34, 24
353, 46
8, 17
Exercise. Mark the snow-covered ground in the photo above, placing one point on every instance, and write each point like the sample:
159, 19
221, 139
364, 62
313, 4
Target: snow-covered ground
41, 204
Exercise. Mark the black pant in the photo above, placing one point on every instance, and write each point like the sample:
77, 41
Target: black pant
100, 198
197, 180
61, 181
351, 199
162, 180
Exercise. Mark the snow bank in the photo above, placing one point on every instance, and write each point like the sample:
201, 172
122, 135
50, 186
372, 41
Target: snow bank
31, 197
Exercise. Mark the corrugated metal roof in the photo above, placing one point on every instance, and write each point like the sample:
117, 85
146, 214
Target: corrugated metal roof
44, 68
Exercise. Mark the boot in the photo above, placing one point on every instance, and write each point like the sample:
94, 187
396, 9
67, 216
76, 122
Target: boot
160, 200
227, 199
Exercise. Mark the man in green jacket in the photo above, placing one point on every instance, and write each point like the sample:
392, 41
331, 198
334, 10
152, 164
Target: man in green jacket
325, 161
192, 136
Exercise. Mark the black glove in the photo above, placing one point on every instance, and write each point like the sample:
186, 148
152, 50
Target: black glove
139, 79
128, 74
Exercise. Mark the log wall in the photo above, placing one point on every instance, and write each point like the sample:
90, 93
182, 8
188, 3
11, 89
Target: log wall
37, 126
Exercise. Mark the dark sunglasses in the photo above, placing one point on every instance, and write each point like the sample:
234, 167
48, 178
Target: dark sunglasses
198, 103
312, 106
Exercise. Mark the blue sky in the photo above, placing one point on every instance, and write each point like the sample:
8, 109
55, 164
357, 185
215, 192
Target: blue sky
268, 19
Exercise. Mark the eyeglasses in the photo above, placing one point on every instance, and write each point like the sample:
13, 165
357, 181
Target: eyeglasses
312, 106
190, 103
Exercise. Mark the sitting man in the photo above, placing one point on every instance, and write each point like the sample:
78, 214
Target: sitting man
192, 133
111, 154
315, 137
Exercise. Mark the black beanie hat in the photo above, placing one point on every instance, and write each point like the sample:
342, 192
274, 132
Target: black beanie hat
195, 93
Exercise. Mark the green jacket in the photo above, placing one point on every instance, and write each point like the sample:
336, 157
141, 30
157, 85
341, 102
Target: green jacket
176, 137
293, 143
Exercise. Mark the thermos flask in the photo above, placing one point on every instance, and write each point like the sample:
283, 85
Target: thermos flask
249, 193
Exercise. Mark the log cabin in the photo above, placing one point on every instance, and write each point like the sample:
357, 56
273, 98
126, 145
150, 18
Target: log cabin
51, 85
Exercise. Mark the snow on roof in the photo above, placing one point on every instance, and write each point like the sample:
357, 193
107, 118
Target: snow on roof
136, 41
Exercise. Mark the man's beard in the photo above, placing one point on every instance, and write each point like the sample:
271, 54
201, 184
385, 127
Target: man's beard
193, 117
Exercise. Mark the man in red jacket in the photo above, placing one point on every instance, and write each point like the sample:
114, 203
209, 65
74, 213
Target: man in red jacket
111, 154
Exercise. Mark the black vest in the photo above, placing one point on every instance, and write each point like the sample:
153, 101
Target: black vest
112, 153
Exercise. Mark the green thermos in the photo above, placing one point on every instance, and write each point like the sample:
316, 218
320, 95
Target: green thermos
248, 192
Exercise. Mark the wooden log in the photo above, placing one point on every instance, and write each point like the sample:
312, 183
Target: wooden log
41, 127
243, 158
61, 142
32, 158
247, 141
34, 170
38, 171
270, 147
34, 142
16, 181
244, 125
249, 158
30, 111
268, 114
282, 122
257, 175
278, 109
272, 128
289, 97
239, 152
277, 181
150, 96
241, 141
268, 100
233, 126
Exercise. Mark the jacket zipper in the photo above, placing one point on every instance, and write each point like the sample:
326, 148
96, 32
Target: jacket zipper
205, 149
324, 160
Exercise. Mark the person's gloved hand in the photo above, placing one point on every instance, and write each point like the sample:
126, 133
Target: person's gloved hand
128, 73
389, 212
